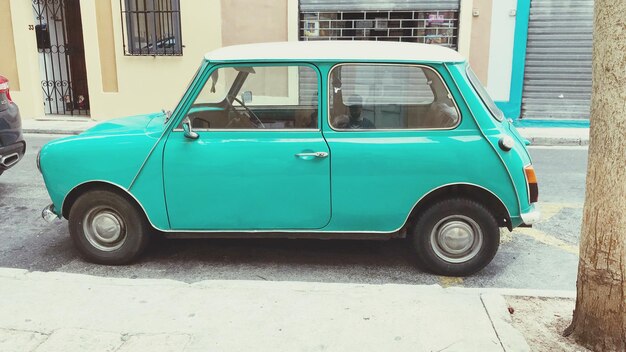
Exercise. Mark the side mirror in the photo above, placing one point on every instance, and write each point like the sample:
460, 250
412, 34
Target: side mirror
189, 133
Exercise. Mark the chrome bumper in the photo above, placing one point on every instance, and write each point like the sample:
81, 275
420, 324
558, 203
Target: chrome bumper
48, 213
532, 216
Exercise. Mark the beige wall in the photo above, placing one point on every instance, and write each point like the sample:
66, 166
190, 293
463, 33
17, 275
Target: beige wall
147, 83
106, 46
481, 39
29, 97
8, 62
121, 85
257, 21
465, 27
253, 21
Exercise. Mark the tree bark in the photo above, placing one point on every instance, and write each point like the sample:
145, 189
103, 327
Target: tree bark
599, 321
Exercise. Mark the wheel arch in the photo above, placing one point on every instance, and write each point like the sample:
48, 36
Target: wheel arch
82, 188
465, 190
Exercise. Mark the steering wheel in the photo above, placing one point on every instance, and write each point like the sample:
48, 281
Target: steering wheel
250, 112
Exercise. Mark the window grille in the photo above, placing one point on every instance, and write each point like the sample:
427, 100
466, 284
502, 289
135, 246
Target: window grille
151, 27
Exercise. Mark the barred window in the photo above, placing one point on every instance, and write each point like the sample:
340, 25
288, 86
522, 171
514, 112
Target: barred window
151, 27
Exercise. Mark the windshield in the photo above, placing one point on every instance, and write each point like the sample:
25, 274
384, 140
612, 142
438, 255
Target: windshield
484, 96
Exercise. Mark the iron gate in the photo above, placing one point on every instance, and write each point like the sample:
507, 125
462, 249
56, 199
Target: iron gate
58, 29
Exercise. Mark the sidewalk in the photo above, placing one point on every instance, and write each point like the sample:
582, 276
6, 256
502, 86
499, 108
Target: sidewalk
69, 312
57, 126
555, 136
536, 135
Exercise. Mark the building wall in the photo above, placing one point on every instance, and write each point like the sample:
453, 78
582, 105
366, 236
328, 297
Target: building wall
491, 53
106, 46
465, 27
144, 83
8, 61
501, 44
121, 85
481, 34
26, 88
253, 21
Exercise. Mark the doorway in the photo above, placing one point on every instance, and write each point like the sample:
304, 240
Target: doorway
59, 33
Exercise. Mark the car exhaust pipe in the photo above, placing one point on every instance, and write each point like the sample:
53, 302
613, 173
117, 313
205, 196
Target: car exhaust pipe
9, 160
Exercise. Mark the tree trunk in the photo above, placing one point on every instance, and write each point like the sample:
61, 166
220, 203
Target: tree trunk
599, 321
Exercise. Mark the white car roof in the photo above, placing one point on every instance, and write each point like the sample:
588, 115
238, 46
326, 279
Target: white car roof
336, 50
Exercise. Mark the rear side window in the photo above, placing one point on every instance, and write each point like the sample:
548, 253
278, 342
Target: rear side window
484, 96
390, 97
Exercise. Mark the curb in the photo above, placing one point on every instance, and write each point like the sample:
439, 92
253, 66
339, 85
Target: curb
317, 286
497, 310
518, 292
550, 141
51, 131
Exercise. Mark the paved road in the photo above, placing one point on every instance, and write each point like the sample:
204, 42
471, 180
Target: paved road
544, 257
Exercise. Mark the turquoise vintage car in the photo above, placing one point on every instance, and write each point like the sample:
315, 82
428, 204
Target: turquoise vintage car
346, 140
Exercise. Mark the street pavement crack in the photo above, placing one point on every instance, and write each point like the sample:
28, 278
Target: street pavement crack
492, 324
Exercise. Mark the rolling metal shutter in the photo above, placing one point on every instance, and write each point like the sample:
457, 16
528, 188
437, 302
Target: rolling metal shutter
372, 5
557, 77
422, 21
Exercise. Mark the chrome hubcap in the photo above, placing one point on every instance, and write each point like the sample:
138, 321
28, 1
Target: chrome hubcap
104, 229
456, 239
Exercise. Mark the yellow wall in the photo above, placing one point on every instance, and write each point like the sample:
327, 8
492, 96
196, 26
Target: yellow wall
8, 62
465, 27
146, 83
29, 97
481, 35
106, 46
261, 21
121, 85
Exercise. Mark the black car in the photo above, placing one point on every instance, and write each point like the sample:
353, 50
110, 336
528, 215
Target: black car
12, 144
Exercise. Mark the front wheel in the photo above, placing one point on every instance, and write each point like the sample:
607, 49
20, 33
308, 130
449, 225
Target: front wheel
455, 237
106, 228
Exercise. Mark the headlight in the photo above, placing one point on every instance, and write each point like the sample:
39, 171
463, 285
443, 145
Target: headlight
39, 161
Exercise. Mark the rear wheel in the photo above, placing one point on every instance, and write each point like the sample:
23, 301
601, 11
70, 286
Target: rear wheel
107, 229
455, 237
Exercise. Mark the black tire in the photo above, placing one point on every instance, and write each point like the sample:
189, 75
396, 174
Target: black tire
455, 237
122, 231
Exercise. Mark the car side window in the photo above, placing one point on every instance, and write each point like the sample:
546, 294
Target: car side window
257, 97
389, 97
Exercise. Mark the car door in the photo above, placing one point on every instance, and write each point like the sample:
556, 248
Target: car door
395, 134
256, 165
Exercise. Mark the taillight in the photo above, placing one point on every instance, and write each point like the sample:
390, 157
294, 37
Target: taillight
4, 87
531, 181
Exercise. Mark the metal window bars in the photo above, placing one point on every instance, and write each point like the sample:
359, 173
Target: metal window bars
151, 27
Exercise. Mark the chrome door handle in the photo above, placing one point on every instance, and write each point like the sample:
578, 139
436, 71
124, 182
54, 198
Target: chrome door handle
315, 154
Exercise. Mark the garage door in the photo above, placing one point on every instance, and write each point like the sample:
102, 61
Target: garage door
557, 77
